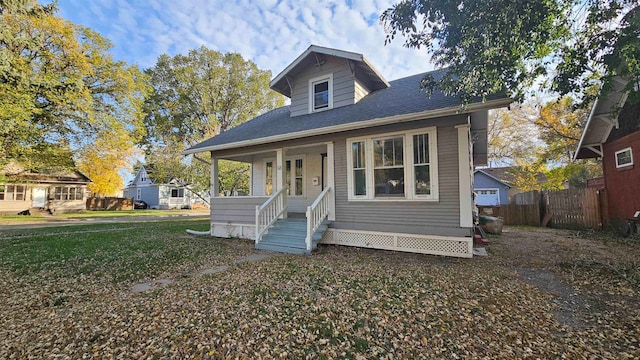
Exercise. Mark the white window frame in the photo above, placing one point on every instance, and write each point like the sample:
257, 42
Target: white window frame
177, 189
138, 194
618, 165
316, 80
292, 175
409, 170
273, 176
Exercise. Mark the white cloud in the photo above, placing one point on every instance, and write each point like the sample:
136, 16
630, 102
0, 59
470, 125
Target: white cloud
269, 32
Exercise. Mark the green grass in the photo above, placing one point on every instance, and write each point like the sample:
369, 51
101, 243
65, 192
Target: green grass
120, 252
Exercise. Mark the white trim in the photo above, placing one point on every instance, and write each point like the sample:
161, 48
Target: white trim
428, 114
292, 159
215, 183
316, 80
292, 176
331, 181
408, 166
618, 166
138, 194
465, 176
264, 177
491, 176
326, 51
428, 244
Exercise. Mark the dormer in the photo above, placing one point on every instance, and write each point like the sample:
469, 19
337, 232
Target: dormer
322, 79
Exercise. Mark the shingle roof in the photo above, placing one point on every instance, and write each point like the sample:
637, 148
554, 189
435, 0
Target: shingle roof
401, 98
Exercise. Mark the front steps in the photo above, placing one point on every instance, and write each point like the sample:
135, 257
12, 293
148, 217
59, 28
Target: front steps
288, 236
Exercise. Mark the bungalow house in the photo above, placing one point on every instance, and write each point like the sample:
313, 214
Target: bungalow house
354, 160
54, 191
490, 190
171, 194
612, 133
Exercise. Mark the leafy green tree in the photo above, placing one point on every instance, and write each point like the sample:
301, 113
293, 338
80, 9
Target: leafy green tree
197, 96
512, 134
60, 89
504, 45
560, 127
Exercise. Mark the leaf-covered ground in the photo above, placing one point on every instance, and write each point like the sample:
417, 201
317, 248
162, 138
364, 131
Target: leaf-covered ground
540, 294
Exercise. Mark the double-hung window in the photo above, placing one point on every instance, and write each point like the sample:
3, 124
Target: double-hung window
177, 192
398, 166
13, 192
321, 93
388, 166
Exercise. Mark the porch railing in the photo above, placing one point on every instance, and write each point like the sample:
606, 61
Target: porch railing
269, 212
316, 213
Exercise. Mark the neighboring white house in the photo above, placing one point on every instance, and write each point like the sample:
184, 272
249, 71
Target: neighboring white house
53, 191
172, 194
385, 166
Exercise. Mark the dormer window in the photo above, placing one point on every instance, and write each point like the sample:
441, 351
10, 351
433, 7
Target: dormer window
321, 93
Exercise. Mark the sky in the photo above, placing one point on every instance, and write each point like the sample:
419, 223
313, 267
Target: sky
271, 33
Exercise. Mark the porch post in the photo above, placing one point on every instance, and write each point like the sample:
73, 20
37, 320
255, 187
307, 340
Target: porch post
280, 174
331, 182
464, 175
215, 185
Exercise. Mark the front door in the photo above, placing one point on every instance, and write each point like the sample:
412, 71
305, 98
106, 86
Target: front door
39, 198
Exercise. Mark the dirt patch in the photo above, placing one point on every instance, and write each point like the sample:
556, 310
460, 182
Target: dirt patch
585, 275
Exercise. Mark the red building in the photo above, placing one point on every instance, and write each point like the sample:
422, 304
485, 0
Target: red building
615, 137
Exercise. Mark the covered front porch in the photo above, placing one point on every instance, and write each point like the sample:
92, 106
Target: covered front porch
290, 202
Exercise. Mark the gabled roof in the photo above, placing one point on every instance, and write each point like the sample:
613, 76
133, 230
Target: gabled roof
507, 174
314, 56
401, 101
491, 176
602, 119
57, 176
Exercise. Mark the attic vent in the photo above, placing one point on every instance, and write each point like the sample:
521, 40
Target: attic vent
320, 60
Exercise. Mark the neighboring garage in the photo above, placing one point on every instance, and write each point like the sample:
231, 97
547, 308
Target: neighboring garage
488, 197
489, 190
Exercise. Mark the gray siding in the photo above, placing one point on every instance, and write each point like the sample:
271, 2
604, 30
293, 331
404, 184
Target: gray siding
360, 91
312, 164
343, 85
235, 209
417, 217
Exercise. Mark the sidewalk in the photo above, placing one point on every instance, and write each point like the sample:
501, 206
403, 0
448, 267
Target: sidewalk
53, 221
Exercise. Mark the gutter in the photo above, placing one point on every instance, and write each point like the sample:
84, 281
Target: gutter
452, 110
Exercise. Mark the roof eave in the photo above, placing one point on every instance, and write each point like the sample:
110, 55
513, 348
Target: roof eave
493, 177
619, 102
452, 110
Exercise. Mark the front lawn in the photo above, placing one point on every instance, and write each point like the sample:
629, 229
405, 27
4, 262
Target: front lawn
44, 218
66, 292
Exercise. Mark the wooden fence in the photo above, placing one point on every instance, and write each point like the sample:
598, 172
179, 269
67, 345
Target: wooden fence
514, 214
571, 208
109, 203
574, 208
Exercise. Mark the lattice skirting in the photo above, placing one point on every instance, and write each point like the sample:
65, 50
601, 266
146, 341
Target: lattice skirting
242, 231
425, 244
